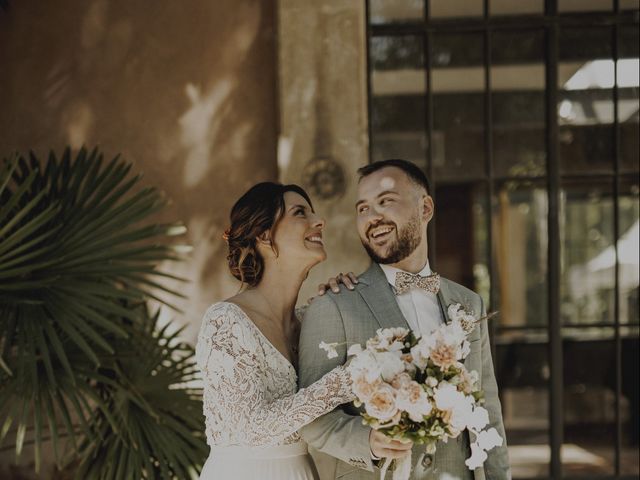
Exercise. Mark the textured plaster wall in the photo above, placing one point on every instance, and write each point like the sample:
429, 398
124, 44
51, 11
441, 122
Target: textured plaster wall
323, 114
186, 90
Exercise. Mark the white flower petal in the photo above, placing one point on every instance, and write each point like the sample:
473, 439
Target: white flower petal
489, 439
477, 458
354, 350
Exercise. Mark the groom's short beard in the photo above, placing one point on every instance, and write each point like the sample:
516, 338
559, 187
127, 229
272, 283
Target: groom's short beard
408, 240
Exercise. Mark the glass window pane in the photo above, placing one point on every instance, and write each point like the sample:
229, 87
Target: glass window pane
586, 254
628, 103
585, 96
628, 262
390, 11
521, 7
589, 402
481, 210
523, 381
456, 8
398, 98
629, 4
518, 102
584, 5
520, 252
461, 235
457, 76
630, 402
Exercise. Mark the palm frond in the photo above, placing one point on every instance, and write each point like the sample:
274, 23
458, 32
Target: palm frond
156, 430
78, 258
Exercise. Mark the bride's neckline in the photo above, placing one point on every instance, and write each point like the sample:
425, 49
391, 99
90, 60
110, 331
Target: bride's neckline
264, 337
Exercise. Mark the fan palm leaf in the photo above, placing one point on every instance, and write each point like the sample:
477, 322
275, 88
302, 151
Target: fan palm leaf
148, 437
77, 262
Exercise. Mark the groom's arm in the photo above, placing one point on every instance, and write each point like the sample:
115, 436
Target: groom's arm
497, 464
337, 434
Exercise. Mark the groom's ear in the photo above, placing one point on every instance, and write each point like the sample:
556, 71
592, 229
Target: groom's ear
427, 208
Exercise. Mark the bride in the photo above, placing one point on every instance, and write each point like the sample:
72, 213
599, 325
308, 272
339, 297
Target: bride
247, 345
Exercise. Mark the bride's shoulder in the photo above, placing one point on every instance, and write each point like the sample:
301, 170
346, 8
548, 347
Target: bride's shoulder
222, 312
225, 323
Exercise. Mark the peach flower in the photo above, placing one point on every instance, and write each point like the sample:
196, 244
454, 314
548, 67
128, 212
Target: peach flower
382, 403
364, 389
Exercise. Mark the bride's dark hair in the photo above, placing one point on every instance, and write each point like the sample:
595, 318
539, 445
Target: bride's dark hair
257, 211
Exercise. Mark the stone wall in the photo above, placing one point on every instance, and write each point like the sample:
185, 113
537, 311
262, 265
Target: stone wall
185, 90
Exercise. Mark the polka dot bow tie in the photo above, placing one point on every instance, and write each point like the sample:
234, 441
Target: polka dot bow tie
406, 281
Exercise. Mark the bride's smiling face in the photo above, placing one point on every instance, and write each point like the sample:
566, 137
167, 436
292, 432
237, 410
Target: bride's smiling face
298, 234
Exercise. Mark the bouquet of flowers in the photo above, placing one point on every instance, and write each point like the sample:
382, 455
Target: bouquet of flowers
416, 388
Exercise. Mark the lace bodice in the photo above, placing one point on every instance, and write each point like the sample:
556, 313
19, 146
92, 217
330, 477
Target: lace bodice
250, 396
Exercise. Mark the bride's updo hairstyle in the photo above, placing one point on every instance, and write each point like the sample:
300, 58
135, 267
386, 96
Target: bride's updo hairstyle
259, 210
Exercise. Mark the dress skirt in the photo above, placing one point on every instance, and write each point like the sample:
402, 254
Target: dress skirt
279, 462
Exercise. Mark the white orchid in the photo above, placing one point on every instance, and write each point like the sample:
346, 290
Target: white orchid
478, 419
477, 458
330, 348
489, 439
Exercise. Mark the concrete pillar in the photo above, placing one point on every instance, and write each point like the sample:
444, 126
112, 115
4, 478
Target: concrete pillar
323, 118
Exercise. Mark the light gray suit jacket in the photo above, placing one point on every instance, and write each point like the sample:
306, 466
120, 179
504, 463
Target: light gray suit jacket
353, 317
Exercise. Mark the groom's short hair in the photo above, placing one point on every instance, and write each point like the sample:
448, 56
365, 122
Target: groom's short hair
414, 172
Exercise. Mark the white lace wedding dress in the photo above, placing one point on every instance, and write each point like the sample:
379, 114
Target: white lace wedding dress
252, 405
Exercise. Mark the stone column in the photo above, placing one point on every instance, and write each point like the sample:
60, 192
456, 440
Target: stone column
323, 119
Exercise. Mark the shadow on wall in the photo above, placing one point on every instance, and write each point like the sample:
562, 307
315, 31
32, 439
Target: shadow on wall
187, 91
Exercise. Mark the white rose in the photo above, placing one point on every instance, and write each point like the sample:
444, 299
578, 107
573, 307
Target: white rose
447, 396
414, 400
390, 365
365, 364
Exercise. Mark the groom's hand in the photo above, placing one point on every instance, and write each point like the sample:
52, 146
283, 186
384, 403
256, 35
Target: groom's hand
385, 447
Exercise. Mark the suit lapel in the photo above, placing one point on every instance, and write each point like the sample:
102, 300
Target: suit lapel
444, 300
380, 298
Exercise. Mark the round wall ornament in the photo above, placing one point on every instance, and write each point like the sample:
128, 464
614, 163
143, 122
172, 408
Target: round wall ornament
324, 177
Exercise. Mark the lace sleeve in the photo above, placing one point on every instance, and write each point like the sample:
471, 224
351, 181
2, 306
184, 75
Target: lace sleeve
235, 389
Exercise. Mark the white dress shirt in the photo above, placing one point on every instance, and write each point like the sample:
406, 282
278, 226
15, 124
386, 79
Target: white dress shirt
421, 309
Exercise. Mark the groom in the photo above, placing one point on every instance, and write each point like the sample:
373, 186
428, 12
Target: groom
393, 210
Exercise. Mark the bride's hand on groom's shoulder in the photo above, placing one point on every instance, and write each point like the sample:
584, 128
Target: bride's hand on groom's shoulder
349, 280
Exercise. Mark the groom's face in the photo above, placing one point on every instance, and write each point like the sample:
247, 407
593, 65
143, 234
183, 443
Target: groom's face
392, 215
